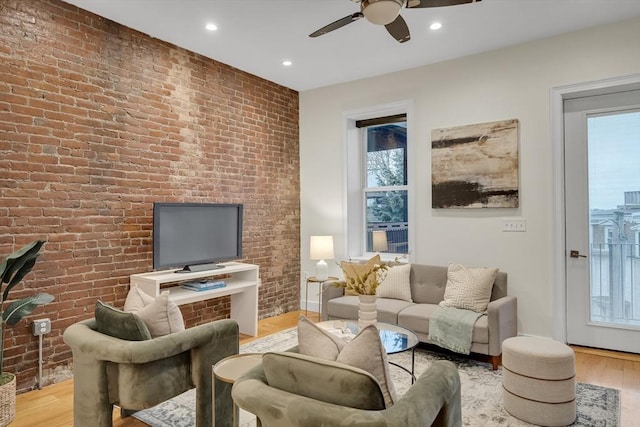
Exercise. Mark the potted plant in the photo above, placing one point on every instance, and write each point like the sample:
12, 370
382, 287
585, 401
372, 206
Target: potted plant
363, 279
12, 270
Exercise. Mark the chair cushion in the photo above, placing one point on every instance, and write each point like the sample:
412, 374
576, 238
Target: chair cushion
396, 283
468, 288
352, 270
365, 351
161, 315
113, 322
136, 299
323, 380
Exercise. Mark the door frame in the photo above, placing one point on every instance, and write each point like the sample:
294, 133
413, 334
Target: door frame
558, 253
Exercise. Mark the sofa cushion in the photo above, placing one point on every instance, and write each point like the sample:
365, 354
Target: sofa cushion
323, 380
481, 330
118, 324
352, 270
388, 309
364, 351
396, 283
468, 288
344, 307
161, 315
416, 317
428, 283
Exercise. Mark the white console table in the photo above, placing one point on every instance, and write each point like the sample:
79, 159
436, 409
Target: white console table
242, 284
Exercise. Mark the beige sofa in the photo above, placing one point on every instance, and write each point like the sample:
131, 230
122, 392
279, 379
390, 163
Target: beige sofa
428, 284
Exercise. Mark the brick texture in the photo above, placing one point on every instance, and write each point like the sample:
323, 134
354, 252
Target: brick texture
97, 122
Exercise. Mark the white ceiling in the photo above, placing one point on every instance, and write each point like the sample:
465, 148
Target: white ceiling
257, 35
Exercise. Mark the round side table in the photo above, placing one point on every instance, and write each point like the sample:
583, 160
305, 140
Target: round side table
321, 282
233, 367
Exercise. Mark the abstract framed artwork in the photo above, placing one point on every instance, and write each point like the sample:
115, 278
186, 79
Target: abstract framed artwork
475, 166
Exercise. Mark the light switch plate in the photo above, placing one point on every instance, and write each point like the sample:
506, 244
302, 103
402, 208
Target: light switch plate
511, 224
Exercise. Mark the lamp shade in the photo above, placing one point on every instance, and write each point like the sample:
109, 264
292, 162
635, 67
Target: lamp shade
321, 247
380, 241
381, 12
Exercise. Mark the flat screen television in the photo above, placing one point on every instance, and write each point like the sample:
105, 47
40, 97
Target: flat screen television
195, 236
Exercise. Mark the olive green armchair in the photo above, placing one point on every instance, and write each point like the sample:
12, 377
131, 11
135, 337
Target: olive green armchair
293, 390
140, 374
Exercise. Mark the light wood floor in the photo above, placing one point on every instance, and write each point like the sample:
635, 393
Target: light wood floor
53, 405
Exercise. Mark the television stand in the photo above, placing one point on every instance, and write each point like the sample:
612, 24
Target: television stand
242, 282
199, 267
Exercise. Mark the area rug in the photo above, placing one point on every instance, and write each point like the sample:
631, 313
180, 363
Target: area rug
481, 392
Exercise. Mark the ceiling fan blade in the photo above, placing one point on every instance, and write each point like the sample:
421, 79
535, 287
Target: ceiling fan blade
415, 4
399, 30
337, 24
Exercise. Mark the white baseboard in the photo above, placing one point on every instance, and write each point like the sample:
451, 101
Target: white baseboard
313, 306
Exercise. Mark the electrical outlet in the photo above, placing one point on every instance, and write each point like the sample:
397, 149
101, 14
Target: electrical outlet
305, 275
41, 326
514, 224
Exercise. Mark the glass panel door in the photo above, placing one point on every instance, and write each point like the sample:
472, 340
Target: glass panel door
602, 209
613, 141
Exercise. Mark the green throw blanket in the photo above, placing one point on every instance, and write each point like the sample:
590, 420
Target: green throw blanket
452, 328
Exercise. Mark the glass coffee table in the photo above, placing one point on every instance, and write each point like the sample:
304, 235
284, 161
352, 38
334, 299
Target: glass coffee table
395, 339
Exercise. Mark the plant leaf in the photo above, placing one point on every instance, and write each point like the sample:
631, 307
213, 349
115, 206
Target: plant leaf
22, 307
18, 264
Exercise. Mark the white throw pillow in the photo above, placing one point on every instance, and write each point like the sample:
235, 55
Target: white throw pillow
315, 341
161, 315
396, 284
468, 288
136, 299
365, 352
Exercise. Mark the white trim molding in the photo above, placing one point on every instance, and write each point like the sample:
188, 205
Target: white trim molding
353, 246
557, 97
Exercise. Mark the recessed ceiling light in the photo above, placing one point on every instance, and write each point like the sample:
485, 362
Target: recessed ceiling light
435, 26
211, 27
287, 63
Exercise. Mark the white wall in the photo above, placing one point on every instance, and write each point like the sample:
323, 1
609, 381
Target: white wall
503, 84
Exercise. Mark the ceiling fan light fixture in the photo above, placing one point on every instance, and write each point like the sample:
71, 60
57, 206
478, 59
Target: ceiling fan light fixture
381, 12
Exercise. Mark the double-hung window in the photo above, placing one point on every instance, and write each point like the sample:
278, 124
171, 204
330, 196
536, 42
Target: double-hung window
384, 192
378, 183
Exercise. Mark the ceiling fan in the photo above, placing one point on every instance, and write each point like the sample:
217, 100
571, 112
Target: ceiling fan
387, 13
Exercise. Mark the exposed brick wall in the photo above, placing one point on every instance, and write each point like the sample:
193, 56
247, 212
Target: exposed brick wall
97, 122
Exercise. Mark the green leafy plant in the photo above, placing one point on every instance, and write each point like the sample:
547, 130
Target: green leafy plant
12, 270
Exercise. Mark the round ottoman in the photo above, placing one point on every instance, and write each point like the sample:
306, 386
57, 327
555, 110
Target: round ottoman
539, 381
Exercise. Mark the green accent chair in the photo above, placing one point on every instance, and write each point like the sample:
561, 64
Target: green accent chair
140, 374
290, 390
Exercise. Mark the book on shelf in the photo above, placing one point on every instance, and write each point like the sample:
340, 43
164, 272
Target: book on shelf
203, 286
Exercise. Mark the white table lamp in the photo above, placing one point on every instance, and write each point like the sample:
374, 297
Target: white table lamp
321, 248
380, 241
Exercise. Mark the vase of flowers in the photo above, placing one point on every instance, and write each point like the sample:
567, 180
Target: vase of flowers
363, 279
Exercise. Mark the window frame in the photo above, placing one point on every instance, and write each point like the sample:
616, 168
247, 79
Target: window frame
355, 177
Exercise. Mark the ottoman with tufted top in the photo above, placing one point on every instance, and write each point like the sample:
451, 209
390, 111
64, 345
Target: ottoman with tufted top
539, 381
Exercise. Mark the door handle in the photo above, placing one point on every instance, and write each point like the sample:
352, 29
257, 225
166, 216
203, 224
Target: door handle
576, 254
